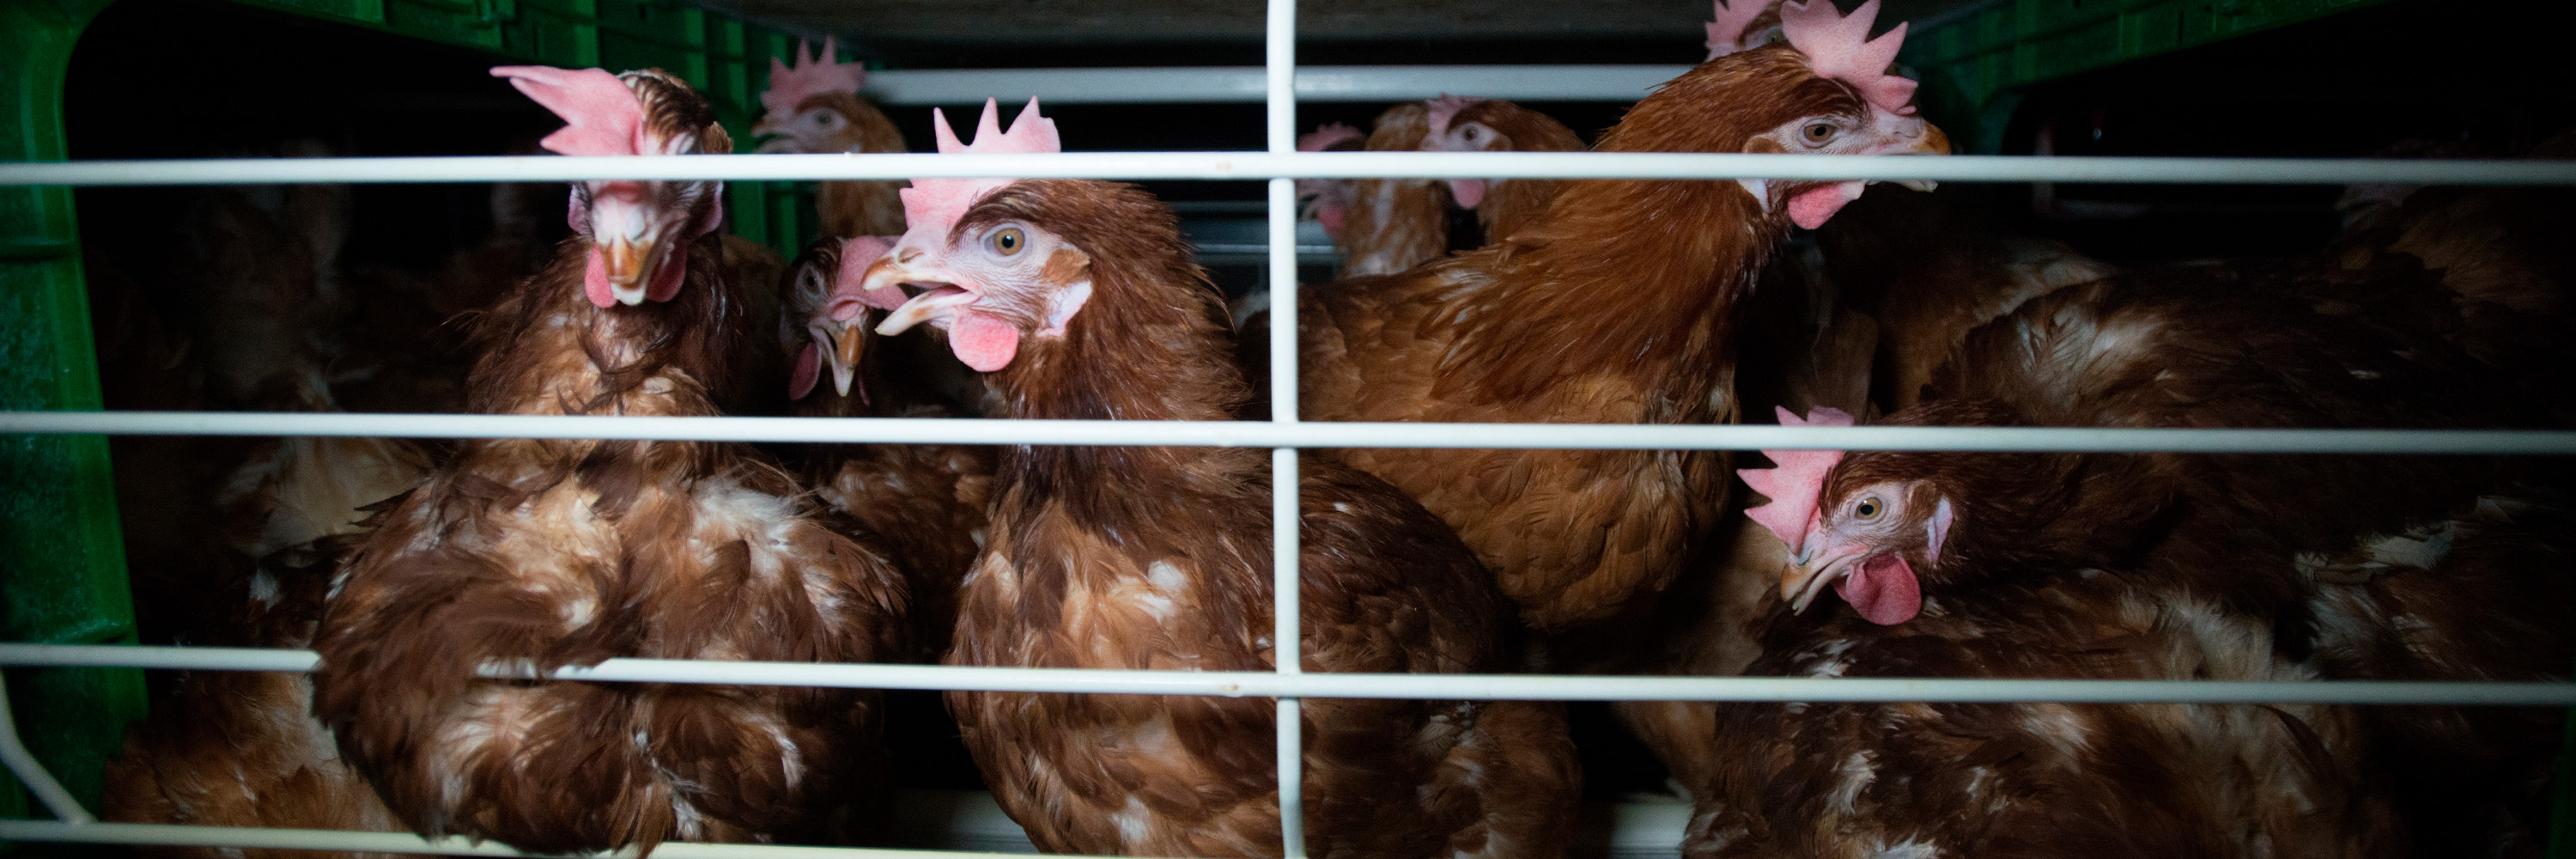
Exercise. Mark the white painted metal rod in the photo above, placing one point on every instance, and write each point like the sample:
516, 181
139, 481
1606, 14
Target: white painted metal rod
1290, 165
1306, 434
32, 772
405, 842
1503, 687
1239, 84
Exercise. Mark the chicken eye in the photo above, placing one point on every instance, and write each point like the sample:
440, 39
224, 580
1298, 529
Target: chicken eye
1007, 241
1819, 132
1867, 509
1468, 133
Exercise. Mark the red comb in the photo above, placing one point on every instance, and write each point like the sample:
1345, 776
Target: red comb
936, 204
1795, 486
1326, 136
1839, 47
1726, 34
812, 76
1446, 108
601, 115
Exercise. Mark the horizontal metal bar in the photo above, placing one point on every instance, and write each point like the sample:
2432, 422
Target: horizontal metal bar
1291, 165
1264, 684
1309, 434
405, 842
1236, 84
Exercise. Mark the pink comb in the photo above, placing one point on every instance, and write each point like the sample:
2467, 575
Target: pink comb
1326, 136
812, 76
1798, 483
1726, 34
936, 204
857, 255
1446, 108
601, 115
1839, 47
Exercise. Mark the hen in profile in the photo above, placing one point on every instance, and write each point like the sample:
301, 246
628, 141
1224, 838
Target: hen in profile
1598, 314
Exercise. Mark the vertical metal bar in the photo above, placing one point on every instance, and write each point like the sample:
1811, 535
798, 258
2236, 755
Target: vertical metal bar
24, 765
1281, 35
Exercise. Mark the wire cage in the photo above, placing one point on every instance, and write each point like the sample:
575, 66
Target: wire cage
1281, 85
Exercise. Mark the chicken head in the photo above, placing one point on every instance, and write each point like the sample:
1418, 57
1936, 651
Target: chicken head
794, 114
1450, 135
1881, 121
639, 230
823, 325
1328, 200
1865, 541
984, 277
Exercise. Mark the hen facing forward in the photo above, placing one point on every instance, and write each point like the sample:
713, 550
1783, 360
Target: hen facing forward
924, 502
549, 553
1077, 299
815, 107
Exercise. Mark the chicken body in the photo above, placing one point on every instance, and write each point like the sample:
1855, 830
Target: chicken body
1158, 558
549, 553
1394, 224
2483, 596
1928, 273
2129, 566
1593, 315
2202, 346
925, 502
2499, 255
2039, 779
242, 748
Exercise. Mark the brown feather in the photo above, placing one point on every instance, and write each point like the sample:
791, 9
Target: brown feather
1158, 558
551, 553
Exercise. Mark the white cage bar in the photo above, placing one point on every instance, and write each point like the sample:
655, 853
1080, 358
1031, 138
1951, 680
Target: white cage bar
1292, 165
1280, 84
1219, 84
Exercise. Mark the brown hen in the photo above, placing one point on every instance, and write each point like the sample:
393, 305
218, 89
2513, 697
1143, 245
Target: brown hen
924, 502
242, 748
2105, 566
1078, 300
1618, 306
545, 553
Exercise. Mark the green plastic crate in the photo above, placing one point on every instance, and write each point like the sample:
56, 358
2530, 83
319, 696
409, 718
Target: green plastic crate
1975, 65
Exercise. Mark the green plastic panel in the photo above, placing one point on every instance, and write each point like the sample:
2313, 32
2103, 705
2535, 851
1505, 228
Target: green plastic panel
1973, 63
62, 562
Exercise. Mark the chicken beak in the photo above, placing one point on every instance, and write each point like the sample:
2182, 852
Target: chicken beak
623, 233
1932, 142
941, 301
850, 342
627, 263
1802, 580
